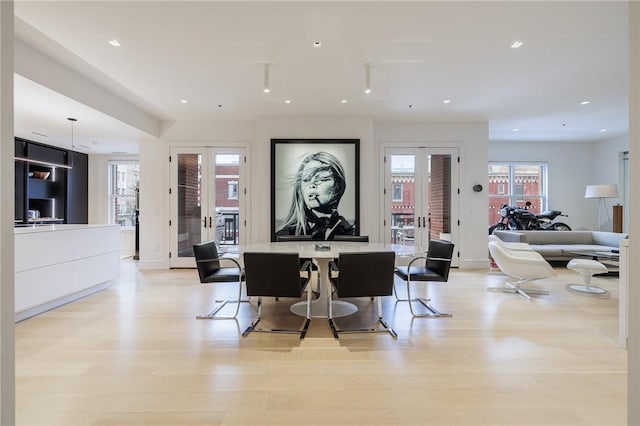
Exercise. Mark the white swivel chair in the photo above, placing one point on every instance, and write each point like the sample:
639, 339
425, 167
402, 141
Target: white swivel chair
523, 266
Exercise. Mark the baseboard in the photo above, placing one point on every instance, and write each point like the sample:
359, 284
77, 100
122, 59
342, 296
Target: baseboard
474, 264
37, 310
151, 265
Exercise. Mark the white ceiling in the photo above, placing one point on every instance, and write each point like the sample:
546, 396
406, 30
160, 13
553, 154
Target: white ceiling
213, 54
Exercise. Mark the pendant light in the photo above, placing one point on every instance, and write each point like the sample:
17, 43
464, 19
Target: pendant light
71, 153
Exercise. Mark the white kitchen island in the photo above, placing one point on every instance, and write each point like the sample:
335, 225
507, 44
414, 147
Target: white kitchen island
57, 264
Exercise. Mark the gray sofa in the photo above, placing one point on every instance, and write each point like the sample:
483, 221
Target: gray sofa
558, 245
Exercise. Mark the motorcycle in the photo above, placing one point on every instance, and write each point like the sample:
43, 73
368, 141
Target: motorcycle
520, 218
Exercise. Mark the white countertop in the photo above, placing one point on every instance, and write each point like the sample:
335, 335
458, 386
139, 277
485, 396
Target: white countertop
51, 228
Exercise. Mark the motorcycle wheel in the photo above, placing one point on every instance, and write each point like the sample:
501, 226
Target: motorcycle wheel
514, 225
497, 227
559, 226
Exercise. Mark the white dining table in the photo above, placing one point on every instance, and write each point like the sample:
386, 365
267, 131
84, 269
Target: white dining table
322, 252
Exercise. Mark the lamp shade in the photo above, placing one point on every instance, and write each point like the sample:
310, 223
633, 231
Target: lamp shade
601, 191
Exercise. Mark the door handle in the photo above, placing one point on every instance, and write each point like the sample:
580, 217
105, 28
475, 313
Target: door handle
205, 221
209, 221
418, 221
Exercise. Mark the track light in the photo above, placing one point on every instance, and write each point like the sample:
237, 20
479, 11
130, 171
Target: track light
267, 86
73, 147
367, 78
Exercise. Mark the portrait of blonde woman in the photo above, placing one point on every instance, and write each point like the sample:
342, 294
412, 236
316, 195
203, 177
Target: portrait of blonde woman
316, 191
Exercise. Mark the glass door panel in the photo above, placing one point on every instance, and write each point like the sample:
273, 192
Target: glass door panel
226, 183
189, 217
439, 198
403, 191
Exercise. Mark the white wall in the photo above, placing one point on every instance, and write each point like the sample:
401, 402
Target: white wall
7, 344
154, 204
572, 166
472, 141
470, 138
99, 197
312, 128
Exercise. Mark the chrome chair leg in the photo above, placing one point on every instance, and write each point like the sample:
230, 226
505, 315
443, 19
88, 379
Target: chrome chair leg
432, 312
212, 315
302, 331
517, 288
385, 328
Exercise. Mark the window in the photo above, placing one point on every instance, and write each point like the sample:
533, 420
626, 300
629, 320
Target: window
515, 184
123, 192
397, 192
233, 189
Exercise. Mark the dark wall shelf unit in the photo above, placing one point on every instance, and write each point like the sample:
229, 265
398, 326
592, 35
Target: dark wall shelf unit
51, 184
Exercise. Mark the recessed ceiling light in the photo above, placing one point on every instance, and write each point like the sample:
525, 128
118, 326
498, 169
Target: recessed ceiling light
184, 101
585, 102
603, 130
114, 43
367, 90
317, 44
516, 130
344, 101
516, 44
287, 101
446, 101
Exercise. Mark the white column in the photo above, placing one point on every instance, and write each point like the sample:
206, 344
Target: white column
633, 379
154, 203
7, 345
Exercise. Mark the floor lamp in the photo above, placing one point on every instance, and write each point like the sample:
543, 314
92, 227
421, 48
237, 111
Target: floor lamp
601, 192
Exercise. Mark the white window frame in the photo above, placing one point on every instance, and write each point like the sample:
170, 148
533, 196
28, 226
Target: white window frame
393, 190
232, 194
113, 195
514, 199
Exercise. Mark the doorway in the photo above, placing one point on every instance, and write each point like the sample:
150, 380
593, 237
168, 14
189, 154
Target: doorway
421, 196
207, 200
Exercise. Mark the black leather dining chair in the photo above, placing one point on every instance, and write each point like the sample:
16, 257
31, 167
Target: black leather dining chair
269, 274
435, 268
210, 271
362, 274
285, 238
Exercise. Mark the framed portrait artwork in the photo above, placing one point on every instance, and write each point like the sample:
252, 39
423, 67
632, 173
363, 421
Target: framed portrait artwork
315, 188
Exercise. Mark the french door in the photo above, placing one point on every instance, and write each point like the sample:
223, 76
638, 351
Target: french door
207, 200
421, 196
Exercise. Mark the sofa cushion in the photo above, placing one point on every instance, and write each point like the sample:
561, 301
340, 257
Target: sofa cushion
559, 245
558, 237
610, 239
549, 250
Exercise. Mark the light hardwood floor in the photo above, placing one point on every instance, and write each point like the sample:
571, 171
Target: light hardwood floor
135, 355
